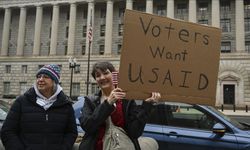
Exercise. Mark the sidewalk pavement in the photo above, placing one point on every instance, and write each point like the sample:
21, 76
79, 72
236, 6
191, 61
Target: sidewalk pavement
236, 113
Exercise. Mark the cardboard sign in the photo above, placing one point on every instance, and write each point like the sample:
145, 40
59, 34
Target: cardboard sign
176, 58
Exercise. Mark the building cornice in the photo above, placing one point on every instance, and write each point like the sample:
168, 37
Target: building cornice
14, 59
27, 3
235, 56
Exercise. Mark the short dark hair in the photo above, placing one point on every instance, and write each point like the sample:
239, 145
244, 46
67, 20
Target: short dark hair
103, 66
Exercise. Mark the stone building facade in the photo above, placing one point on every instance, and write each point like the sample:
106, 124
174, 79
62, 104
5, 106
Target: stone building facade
38, 32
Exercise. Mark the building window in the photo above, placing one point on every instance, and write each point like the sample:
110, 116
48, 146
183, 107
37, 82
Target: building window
121, 12
225, 6
49, 32
182, 9
226, 47
94, 88
75, 89
161, 10
11, 19
248, 46
119, 48
48, 49
24, 69
23, 87
120, 29
65, 49
247, 8
102, 30
83, 49
101, 49
225, 25
203, 10
8, 69
203, 21
67, 32
25, 33
203, 7
247, 24
10, 35
84, 29
103, 13
77, 69
85, 14
67, 15
51, 16
141, 8
6, 88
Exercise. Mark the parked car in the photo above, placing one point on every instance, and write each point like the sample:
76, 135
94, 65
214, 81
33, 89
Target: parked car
3, 114
77, 106
178, 126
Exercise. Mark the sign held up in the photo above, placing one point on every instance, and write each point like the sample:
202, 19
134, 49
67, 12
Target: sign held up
176, 58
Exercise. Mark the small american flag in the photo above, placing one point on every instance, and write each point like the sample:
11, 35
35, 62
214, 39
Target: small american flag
115, 78
90, 31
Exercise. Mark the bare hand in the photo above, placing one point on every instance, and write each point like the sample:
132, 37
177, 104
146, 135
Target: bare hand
115, 95
154, 98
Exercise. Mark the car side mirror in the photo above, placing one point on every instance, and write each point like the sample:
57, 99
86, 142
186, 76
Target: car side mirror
219, 129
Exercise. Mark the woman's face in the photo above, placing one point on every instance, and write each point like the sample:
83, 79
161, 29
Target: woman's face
104, 79
44, 83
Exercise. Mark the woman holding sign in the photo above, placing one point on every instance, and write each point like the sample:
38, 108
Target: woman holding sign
108, 107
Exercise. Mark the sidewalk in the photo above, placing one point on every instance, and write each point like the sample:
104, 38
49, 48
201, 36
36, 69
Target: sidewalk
236, 113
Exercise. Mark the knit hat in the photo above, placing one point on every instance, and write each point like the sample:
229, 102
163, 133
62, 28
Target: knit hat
52, 70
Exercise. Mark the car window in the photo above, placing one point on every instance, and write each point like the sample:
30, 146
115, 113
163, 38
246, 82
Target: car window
156, 115
189, 117
231, 120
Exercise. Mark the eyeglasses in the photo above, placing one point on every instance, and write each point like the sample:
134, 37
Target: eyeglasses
42, 76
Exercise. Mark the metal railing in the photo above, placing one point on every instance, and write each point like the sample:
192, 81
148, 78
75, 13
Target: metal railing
234, 108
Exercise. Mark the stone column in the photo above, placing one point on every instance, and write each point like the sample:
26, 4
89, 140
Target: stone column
239, 26
170, 8
109, 28
91, 10
192, 11
149, 6
129, 4
54, 30
216, 13
72, 28
6, 32
38, 27
21, 31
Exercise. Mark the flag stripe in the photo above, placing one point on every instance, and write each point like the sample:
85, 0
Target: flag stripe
90, 34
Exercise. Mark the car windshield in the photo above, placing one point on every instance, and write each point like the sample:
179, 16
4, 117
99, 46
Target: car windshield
231, 120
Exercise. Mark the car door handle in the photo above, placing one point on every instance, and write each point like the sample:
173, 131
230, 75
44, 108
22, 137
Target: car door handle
173, 134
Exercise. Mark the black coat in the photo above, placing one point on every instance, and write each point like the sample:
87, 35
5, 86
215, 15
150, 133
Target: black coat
94, 114
29, 127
